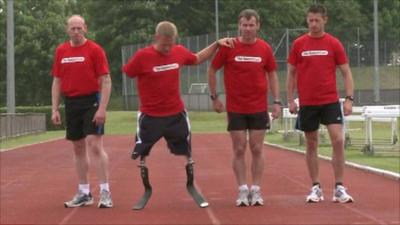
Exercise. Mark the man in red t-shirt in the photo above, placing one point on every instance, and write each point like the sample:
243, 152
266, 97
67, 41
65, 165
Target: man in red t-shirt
162, 112
81, 74
248, 68
312, 64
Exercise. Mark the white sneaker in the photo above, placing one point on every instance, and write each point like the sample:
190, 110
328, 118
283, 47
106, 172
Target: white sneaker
243, 198
105, 200
340, 195
315, 195
255, 198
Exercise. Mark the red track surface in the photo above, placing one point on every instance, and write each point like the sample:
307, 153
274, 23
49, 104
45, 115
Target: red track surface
36, 180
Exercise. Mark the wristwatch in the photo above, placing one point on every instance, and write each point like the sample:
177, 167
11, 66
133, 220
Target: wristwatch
278, 102
213, 97
349, 97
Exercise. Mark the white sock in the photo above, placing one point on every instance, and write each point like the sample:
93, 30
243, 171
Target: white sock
255, 188
105, 187
84, 188
243, 187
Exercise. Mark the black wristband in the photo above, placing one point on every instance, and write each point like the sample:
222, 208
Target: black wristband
213, 97
349, 97
278, 102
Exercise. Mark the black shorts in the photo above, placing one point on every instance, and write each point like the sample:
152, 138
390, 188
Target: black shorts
252, 121
175, 129
309, 117
79, 114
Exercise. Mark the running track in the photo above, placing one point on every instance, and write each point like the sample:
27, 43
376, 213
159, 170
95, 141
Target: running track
36, 180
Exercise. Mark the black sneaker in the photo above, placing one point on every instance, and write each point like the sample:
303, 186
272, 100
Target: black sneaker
79, 199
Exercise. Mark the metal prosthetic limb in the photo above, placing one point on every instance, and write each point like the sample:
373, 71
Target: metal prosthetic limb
144, 173
198, 198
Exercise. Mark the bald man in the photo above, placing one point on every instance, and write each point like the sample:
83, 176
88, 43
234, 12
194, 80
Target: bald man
157, 69
81, 75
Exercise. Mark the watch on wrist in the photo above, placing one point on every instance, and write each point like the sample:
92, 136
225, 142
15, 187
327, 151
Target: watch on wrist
349, 97
213, 97
278, 102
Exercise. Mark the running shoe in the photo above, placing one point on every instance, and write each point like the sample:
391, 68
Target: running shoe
80, 199
105, 200
256, 198
340, 195
243, 198
315, 195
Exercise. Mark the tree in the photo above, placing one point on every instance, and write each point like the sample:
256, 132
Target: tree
124, 22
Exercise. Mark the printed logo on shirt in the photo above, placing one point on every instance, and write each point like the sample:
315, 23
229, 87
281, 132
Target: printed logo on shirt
241, 58
314, 53
72, 60
161, 68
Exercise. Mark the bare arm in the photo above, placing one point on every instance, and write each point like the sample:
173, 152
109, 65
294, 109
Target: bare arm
274, 85
348, 87
290, 87
55, 101
208, 51
105, 82
212, 85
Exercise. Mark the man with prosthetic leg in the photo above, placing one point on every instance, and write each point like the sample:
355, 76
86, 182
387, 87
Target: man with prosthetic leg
162, 112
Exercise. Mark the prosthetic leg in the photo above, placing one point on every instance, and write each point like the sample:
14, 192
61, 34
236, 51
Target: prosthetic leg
198, 198
144, 173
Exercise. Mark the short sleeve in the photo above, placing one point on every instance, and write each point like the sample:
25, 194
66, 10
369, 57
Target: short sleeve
101, 62
340, 53
133, 67
292, 59
55, 71
189, 57
219, 58
270, 64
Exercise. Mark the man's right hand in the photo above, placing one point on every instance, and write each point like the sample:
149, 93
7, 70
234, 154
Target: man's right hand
218, 106
56, 118
293, 108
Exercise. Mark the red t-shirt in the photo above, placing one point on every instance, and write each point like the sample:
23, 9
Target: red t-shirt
79, 68
158, 78
245, 68
315, 60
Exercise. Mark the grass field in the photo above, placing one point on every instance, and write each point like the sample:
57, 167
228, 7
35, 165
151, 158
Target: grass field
389, 78
124, 123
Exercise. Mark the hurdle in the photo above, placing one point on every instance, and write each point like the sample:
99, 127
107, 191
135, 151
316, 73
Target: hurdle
386, 113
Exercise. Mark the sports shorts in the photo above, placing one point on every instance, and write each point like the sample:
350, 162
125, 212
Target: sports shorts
309, 117
79, 114
252, 121
175, 129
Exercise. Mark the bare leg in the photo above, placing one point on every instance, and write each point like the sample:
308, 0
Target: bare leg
239, 149
81, 161
100, 158
256, 142
312, 155
337, 140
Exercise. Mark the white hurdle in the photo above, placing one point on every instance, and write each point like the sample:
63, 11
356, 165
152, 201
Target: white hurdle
386, 113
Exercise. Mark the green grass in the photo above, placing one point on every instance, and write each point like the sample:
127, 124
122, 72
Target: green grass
389, 78
30, 139
388, 159
124, 123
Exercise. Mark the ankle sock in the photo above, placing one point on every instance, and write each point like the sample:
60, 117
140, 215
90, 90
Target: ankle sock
243, 187
84, 188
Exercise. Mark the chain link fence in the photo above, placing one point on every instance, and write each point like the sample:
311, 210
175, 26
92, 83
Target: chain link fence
193, 81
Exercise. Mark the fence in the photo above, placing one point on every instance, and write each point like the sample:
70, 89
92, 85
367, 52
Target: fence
360, 56
12, 125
